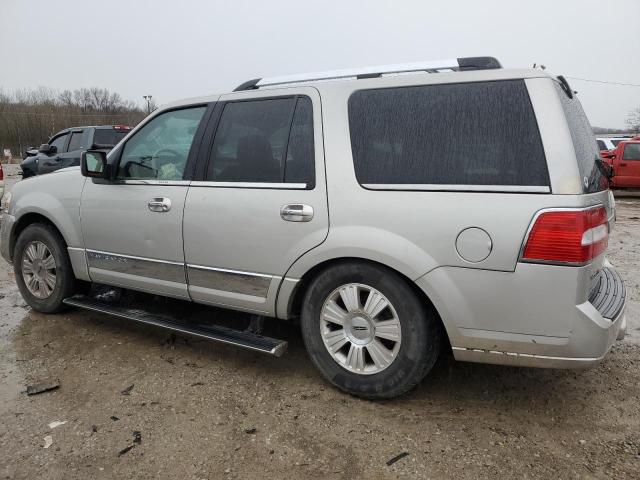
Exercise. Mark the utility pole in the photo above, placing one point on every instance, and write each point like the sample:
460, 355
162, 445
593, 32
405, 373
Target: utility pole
148, 99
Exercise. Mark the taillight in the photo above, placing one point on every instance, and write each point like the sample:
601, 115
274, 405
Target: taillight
567, 236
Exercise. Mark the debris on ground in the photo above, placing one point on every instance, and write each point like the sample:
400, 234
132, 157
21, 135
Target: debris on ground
127, 391
114, 418
250, 430
125, 450
397, 458
55, 424
41, 388
48, 441
94, 428
137, 440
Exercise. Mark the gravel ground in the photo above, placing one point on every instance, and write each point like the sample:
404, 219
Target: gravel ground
204, 410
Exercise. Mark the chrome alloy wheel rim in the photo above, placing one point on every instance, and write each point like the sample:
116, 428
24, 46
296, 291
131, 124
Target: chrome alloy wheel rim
360, 328
39, 270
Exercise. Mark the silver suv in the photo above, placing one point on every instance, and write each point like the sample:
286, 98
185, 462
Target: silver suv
393, 211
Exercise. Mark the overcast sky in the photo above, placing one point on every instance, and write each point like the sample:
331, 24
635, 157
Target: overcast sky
173, 49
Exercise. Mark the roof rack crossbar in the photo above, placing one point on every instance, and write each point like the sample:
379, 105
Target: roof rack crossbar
454, 64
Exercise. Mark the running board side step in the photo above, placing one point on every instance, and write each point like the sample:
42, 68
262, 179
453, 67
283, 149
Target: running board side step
217, 333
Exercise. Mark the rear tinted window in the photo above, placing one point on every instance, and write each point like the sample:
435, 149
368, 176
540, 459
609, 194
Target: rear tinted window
108, 136
264, 141
460, 134
602, 145
584, 144
76, 141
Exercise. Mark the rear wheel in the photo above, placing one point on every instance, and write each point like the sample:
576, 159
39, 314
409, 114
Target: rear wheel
42, 268
368, 332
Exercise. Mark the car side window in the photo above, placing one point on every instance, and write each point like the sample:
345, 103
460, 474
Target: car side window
631, 151
300, 164
480, 134
59, 143
601, 145
159, 150
264, 141
76, 142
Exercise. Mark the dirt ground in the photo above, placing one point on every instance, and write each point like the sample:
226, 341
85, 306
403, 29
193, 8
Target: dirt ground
203, 410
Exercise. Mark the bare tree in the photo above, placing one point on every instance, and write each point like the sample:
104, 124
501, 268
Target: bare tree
633, 120
29, 117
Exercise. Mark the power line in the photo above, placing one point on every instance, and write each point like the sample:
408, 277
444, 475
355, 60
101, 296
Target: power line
72, 114
605, 81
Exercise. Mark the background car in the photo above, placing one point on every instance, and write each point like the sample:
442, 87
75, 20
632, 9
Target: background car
625, 161
609, 143
65, 147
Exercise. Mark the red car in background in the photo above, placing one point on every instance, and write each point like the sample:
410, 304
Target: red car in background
625, 161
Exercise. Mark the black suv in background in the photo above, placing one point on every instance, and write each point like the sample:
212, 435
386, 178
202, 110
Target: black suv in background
65, 147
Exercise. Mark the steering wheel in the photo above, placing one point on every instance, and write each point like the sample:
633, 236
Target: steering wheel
166, 152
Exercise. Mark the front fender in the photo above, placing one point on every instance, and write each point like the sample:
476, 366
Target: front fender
57, 198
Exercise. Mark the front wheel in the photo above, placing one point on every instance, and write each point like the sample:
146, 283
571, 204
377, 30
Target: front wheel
368, 332
42, 268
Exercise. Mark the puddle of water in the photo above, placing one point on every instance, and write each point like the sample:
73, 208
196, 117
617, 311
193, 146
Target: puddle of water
11, 379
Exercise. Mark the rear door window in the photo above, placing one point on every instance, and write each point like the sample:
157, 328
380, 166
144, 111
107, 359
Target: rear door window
76, 141
264, 141
447, 136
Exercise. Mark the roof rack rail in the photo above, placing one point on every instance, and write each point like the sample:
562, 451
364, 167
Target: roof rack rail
455, 64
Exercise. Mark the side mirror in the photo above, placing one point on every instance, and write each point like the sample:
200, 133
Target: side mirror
47, 149
93, 163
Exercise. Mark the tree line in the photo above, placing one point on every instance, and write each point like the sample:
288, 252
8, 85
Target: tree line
30, 117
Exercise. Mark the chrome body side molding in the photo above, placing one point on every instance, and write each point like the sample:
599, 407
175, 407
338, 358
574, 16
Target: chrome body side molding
138, 266
244, 283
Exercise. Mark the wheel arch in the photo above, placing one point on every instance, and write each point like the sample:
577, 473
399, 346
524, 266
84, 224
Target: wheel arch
27, 219
290, 305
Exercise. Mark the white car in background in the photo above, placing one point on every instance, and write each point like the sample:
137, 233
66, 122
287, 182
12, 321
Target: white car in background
609, 143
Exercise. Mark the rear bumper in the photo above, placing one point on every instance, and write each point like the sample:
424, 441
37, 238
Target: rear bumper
616, 331
530, 317
6, 227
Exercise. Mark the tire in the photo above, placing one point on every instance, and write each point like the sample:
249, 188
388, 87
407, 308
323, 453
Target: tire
415, 325
32, 238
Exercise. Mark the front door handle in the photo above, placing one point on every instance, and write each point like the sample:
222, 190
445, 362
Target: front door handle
296, 212
160, 204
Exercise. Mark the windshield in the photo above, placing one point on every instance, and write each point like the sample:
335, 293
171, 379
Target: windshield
108, 136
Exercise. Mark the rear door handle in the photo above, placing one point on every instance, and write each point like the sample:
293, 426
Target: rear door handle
296, 212
160, 205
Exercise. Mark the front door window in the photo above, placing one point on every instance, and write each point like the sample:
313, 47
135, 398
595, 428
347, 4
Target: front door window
159, 150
